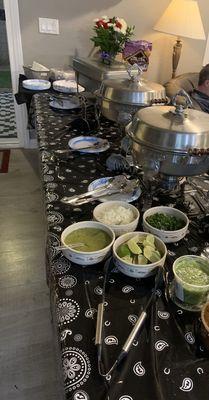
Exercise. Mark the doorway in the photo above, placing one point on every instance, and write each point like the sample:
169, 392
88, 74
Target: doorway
8, 128
13, 118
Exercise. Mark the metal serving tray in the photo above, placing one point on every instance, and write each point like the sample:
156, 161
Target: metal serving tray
91, 72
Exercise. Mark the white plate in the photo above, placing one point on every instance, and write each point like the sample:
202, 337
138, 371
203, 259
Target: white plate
83, 141
36, 84
67, 86
128, 197
64, 106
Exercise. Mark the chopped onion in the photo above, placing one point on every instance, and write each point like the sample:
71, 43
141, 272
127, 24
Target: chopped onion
117, 216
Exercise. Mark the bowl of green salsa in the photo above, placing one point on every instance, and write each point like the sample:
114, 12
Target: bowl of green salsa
191, 280
168, 223
87, 242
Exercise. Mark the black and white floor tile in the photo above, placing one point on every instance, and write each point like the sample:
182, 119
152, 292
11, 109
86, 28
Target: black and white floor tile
7, 116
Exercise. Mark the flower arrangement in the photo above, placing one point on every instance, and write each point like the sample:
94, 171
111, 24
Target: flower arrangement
111, 34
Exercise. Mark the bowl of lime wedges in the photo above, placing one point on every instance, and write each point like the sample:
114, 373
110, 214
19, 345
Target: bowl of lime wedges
138, 254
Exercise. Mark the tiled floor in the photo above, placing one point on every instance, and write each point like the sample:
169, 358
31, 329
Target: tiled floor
27, 355
7, 115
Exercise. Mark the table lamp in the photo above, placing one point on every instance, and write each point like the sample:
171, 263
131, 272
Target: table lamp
181, 18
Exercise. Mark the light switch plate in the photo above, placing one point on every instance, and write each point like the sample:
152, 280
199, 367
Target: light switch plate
48, 25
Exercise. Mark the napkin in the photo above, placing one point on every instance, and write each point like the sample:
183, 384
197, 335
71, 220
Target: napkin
39, 67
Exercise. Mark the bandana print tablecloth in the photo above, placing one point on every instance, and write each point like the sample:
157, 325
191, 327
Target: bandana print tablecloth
167, 361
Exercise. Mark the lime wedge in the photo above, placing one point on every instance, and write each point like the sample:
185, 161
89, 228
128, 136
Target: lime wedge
133, 246
145, 244
142, 260
123, 251
135, 259
148, 251
155, 256
128, 259
150, 239
138, 238
158, 253
151, 255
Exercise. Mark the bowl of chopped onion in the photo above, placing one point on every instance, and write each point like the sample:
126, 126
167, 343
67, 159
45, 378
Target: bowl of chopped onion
120, 216
168, 223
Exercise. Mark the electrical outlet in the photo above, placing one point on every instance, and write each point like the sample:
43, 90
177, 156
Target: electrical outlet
48, 25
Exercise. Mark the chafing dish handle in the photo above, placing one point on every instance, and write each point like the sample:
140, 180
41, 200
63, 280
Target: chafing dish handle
198, 152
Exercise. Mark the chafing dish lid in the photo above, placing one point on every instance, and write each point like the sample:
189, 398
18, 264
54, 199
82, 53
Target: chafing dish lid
125, 91
159, 127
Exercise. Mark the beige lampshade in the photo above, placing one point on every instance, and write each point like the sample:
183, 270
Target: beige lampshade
182, 18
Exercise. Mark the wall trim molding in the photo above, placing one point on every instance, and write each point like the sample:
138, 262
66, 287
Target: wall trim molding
16, 65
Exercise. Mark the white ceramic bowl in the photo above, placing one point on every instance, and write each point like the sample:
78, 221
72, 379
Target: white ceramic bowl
83, 257
122, 228
166, 236
137, 270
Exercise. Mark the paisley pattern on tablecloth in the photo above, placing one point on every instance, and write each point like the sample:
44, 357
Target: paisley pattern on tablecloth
169, 353
60, 266
67, 311
76, 368
67, 281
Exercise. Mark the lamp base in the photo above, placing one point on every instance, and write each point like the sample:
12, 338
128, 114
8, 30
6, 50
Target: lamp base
176, 56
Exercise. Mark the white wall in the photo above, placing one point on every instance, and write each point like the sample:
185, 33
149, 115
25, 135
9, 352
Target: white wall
75, 17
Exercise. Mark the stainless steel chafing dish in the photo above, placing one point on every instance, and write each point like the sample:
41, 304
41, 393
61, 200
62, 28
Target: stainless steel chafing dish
171, 140
119, 99
91, 72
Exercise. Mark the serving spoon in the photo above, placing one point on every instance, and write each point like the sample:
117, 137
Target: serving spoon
69, 246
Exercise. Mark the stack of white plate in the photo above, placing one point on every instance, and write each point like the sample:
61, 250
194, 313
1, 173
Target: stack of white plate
67, 86
65, 104
36, 84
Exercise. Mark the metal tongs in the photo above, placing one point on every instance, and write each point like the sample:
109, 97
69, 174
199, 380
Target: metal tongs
134, 332
115, 184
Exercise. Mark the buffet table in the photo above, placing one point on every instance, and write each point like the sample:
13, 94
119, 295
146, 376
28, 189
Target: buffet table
168, 360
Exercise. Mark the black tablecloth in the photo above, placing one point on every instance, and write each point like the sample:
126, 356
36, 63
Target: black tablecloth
25, 95
168, 360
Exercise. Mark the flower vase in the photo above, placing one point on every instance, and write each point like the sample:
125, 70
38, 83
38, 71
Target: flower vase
107, 58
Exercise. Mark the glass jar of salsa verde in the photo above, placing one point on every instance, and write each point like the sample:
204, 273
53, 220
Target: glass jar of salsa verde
191, 280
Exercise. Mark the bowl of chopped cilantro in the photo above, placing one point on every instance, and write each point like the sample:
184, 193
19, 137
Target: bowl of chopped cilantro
168, 223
